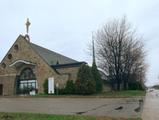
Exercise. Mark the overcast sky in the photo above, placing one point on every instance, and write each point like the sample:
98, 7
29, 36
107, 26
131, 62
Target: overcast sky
65, 26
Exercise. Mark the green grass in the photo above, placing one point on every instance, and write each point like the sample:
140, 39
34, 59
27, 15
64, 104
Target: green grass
31, 116
110, 94
128, 93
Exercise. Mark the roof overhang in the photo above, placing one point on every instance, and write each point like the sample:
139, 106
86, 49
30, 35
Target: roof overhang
58, 66
20, 63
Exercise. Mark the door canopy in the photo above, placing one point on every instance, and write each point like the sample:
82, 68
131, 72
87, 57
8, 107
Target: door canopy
19, 63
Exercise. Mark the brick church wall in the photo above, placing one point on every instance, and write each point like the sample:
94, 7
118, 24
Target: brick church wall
71, 70
42, 70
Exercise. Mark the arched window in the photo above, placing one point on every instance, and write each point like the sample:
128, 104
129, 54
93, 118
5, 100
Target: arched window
27, 74
27, 82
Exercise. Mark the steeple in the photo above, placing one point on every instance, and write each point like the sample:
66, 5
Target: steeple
93, 49
27, 29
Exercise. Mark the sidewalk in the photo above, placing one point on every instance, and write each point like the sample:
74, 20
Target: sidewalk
151, 106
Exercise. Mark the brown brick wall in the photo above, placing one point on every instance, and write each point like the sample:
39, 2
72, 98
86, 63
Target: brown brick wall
72, 72
8, 84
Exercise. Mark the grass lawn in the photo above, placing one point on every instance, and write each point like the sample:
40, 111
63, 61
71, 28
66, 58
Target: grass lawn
110, 94
128, 93
31, 116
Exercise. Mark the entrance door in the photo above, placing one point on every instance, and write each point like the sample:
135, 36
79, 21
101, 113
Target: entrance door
1, 89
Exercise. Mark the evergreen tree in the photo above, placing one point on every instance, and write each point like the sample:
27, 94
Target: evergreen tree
97, 78
70, 87
85, 84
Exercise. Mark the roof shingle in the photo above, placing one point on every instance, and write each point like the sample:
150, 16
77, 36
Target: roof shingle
52, 58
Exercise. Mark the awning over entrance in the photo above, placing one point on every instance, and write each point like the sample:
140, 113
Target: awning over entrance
19, 63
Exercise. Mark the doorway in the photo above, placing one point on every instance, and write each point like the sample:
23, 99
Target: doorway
1, 89
27, 83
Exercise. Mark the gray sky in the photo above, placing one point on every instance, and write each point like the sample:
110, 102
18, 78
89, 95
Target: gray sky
65, 26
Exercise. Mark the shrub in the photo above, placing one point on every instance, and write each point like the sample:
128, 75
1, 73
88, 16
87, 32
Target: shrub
60, 91
135, 86
45, 86
70, 87
156, 87
85, 84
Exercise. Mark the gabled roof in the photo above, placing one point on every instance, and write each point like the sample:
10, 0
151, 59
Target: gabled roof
52, 58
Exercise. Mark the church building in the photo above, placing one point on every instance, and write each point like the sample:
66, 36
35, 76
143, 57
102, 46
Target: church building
26, 67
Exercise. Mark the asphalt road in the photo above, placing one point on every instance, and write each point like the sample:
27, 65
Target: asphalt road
122, 107
151, 106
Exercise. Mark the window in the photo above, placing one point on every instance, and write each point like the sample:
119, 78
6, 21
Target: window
27, 74
3, 65
9, 56
27, 82
16, 47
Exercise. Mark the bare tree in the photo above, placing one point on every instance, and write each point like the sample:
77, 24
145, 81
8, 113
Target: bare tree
120, 53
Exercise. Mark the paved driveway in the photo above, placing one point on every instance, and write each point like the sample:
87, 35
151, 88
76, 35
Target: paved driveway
151, 106
122, 107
